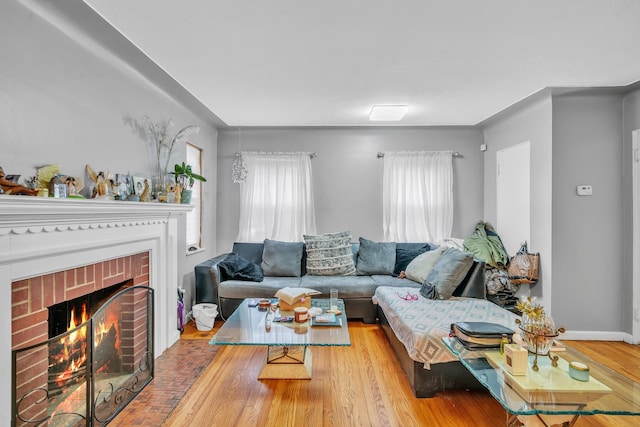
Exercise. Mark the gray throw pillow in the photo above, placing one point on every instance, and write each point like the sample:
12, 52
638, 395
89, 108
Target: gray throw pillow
282, 259
418, 269
447, 274
330, 254
375, 258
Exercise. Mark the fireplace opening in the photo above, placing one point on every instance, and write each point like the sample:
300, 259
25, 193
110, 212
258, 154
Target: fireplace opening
99, 356
68, 355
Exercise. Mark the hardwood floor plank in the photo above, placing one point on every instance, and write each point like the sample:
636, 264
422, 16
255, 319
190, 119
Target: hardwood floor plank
360, 385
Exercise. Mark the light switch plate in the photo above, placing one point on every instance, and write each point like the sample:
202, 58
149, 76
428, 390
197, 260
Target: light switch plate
584, 190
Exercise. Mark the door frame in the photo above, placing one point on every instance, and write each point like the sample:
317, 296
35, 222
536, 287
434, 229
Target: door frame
635, 160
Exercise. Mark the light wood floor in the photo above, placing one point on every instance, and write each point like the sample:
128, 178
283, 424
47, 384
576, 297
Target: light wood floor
360, 385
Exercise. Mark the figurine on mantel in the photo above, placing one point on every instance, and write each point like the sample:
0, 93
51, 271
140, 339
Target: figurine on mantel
10, 187
145, 196
101, 189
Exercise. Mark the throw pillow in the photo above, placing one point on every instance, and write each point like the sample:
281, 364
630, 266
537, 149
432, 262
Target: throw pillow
448, 273
282, 259
375, 258
330, 254
405, 256
421, 265
234, 267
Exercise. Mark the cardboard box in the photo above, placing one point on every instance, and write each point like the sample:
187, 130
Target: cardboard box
302, 302
516, 359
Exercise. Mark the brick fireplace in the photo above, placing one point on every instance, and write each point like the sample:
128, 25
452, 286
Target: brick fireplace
57, 249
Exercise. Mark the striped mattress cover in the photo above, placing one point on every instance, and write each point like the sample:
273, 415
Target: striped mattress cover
421, 323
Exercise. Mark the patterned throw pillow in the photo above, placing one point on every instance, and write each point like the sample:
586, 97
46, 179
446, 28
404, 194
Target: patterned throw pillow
330, 254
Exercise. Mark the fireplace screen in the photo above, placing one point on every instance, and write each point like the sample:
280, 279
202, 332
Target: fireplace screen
87, 374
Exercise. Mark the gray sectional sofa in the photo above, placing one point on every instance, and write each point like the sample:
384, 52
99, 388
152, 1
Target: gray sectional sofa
356, 290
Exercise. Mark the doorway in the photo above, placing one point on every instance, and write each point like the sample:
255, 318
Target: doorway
513, 198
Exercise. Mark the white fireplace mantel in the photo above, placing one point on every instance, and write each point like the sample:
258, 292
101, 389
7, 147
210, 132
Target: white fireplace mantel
44, 235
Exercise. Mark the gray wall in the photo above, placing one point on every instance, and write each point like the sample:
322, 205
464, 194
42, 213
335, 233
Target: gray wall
587, 230
529, 121
347, 174
66, 98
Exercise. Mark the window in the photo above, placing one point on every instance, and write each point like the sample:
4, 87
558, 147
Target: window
194, 217
276, 199
417, 196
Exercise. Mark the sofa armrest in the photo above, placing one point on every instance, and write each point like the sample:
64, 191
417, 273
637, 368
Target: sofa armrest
208, 279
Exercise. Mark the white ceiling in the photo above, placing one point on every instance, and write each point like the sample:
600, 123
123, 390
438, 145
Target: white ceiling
325, 63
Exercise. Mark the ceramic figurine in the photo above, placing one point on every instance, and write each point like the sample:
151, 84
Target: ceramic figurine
145, 196
9, 187
101, 190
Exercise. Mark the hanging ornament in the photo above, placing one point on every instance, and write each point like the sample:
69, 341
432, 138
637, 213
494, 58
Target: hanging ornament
239, 170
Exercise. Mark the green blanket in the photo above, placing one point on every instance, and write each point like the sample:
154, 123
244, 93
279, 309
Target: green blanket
486, 245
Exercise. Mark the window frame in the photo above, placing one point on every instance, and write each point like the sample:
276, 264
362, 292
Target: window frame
196, 196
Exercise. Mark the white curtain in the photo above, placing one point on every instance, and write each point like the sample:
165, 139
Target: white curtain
417, 196
276, 199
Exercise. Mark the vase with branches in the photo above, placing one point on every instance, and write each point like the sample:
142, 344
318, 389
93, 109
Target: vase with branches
164, 144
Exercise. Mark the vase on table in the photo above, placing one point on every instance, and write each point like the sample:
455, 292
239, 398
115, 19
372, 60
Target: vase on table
539, 333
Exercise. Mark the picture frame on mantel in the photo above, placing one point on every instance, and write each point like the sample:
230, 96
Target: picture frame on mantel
137, 183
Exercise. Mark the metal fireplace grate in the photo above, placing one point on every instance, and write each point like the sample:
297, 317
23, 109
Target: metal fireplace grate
110, 360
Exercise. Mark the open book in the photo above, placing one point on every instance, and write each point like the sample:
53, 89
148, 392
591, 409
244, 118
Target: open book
293, 295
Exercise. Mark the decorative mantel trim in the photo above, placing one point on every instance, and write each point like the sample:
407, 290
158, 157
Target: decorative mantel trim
24, 214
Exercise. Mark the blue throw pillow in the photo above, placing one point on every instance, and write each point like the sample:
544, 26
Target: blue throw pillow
234, 267
405, 256
282, 259
375, 258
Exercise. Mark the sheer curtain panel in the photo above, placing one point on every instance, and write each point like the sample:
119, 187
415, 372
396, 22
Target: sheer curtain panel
417, 196
276, 199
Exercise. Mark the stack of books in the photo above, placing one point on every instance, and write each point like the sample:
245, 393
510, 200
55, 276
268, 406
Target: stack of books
290, 298
480, 335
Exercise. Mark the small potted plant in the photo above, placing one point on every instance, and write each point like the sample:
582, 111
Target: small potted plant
185, 178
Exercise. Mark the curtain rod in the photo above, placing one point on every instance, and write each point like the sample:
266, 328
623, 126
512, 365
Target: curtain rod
455, 154
312, 155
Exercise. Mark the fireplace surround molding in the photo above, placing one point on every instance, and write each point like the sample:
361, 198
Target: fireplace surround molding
40, 236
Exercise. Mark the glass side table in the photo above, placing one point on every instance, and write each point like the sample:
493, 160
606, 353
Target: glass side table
550, 395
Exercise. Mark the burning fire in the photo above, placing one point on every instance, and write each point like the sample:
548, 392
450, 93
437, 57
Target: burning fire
74, 345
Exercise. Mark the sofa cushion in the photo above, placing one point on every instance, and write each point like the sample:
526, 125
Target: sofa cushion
421, 265
375, 257
393, 281
330, 254
282, 259
266, 289
347, 286
234, 267
405, 256
448, 272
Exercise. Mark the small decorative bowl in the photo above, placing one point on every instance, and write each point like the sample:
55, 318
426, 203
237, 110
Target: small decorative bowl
579, 371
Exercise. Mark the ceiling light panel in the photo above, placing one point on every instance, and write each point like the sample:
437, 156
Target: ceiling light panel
387, 113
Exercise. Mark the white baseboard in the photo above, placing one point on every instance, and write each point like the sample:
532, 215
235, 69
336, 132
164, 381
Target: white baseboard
597, 336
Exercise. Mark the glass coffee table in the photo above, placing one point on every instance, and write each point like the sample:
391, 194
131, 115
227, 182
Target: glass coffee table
550, 396
288, 343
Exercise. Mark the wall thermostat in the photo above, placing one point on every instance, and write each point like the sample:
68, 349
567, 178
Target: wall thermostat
584, 190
